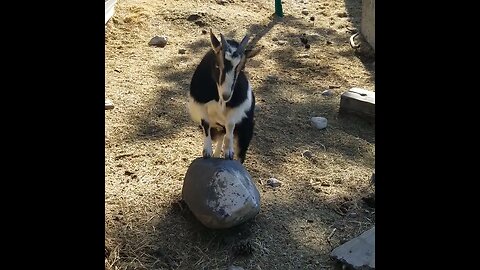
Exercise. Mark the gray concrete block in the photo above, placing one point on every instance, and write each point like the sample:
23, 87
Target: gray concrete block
359, 252
220, 193
368, 21
358, 101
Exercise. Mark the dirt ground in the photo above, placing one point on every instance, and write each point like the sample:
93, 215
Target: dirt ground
150, 139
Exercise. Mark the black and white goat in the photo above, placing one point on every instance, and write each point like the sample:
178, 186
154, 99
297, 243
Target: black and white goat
221, 100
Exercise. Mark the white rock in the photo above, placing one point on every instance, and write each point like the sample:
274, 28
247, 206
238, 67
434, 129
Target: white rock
327, 92
274, 182
319, 122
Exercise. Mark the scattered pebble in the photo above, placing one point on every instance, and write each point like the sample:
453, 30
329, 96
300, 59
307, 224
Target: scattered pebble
275, 39
327, 93
204, 31
303, 39
305, 11
307, 154
193, 17
307, 46
182, 51
342, 14
319, 122
312, 18
274, 182
158, 41
200, 23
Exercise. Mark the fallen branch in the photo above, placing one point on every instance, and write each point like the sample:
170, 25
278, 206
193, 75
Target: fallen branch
330, 236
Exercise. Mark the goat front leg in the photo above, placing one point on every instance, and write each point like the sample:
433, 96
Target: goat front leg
207, 141
228, 141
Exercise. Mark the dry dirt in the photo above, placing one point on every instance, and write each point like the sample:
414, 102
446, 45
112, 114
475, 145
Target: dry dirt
150, 139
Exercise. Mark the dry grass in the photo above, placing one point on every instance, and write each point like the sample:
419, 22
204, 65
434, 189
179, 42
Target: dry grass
150, 141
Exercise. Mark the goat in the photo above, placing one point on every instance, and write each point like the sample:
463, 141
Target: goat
221, 99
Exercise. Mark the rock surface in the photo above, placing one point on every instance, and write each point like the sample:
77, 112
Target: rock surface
220, 193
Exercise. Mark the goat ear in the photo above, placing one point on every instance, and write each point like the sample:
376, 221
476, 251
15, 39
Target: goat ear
214, 42
249, 53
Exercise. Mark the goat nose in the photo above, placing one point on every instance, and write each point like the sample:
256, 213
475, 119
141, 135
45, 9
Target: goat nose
225, 96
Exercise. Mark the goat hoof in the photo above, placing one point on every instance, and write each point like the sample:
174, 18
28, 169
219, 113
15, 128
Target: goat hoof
229, 155
206, 153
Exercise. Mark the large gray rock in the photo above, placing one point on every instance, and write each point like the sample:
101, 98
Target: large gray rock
359, 252
220, 193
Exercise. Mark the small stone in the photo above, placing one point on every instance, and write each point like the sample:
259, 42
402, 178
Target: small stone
342, 14
319, 122
312, 18
328, 42
327, 93
204, 31
304, 39
273, 182
310, 220
325, 184
158, 41
109, 104
200, 23
282, 42
304, 55
275, 39
307, 46
182, 51
305, 11
307, 154
193, 17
